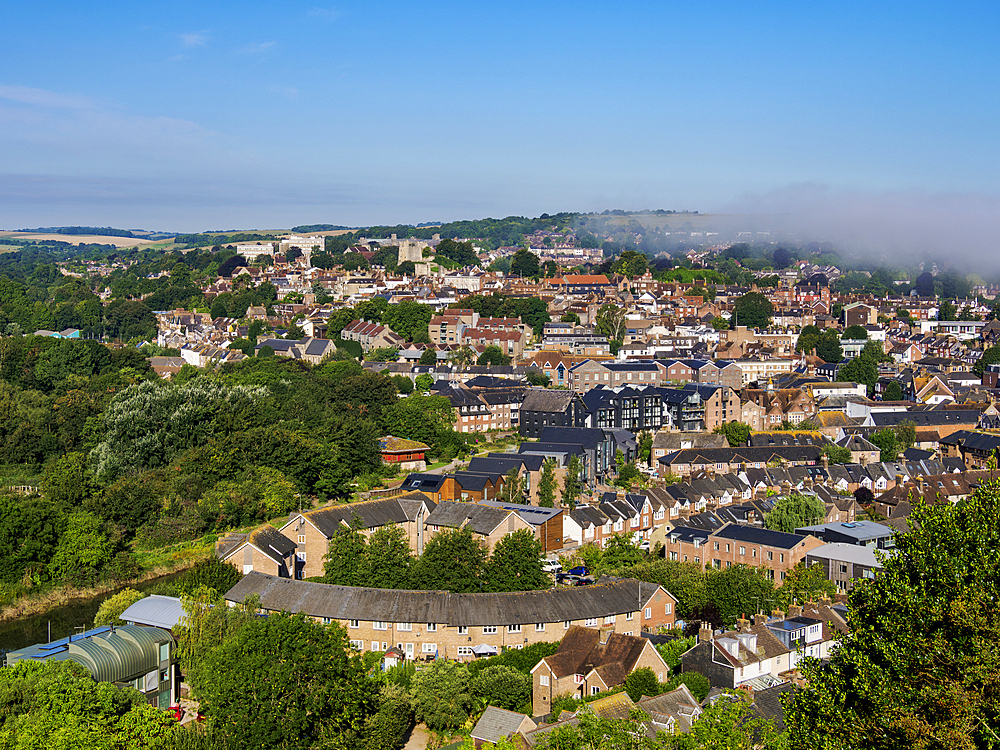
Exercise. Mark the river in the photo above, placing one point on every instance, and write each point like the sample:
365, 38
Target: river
32, 629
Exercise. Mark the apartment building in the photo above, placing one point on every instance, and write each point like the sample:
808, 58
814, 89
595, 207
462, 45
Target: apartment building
735, 544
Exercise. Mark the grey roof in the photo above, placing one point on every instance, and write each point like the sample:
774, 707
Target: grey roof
496, 723
479, 518
533, 514
156, 610
532, 462
349, 603
546, 400
371, 513
754, 535
843, 552
855, 530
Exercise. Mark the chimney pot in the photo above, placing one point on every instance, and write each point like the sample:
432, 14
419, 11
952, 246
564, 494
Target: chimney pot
759, 619
795, 610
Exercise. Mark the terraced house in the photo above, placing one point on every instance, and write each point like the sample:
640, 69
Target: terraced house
438, 623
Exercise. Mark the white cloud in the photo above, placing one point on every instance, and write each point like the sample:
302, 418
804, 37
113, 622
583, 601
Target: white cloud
194, 39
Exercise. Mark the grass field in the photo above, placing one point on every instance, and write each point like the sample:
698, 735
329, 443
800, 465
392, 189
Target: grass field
78, 238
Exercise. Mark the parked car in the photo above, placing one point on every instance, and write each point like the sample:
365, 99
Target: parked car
644, 545
551, 566
579, 570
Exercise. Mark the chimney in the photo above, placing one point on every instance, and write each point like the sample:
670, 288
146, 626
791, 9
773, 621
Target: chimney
922, 485
864, 459
777, 613
742, 624
795, 610
759, 619
825, 460
606, 631
704, 632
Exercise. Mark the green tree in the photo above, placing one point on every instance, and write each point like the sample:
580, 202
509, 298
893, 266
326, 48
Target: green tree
720, 324
753, 310
83, 551
387, 728
502, 686
793, 511
918, 666
403, 384
737, 433
387, 560
990, 357
525, 263
67, 480
837, 454
730, 723
947, 311
887, 442
610, 322
516, 564
287, 681
738, 591
512, 490
424, 382
114, 605
211, 573
440, 695
345, 560
642, 682
671, 651
906, 434
547, 484
860, 370
453, 560
537, 378
893, 392
855, 333
384, 354
804, 584
493, 356
571, 482
620, 551
428, 357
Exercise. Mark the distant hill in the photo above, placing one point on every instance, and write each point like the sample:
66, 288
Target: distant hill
305, 228
101, 231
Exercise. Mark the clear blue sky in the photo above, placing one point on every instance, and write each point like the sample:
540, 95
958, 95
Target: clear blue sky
217, 115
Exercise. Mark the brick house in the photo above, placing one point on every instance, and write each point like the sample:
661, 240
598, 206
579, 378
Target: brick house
312, 530
264, 550
488, 523
591, 661
750, 657
429, 623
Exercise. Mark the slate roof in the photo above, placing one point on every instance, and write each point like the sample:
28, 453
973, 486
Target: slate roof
750, 455
272, 543
546, 400
478, 518
351, 603
755, 535
532, 462
496, 723
371, 513
532, 514
926, 418
679, 704
588, 437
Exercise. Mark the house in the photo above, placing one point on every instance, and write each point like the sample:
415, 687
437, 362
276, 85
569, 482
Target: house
498, 723
451, 625
674, 712
406, 454
488, 523
264, 550
134, 656
372, 335
751, 657
860, 533
311, 531
546, 522
543, 408
669, 442
591, 661
845, 564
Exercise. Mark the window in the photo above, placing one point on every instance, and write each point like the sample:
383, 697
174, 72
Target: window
429, 648
649, 613
727, 547
327, 620
543, 680
781, 557
407, 626
609, 620
354, 624
463, 629
770, 554
300, 556
374, 645
380, 625
489, 629
566, 624
668, 608
629, 616
432, 627
539, 627
590, 622
165, 651
247, 569
578, 678
743, 550
358, 645
594, 690
302, 538
465, 650
716, 545
843, 568
514, 628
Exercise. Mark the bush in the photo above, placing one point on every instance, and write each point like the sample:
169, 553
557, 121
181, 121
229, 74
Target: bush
168, 530
502, 686
697, 683
642, 682
212, 573
112, 607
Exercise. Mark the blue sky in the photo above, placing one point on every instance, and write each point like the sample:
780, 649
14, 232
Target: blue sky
191, 116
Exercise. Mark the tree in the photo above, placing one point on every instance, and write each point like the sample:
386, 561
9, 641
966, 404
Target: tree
990, 357
547, 484
424, 382
860, 370
855, 333
610, 322
893, 391
440, 695
793, 511
918, 666
737, 433
516, 564
730, 723
83, 551
387, 729
428, 357
837, 454
502, 686
513, 488
619, 552
384, 354
453, 560
906, 434
211, 573
947, 311
493, 356
924, 284
344, 561
720, 324
287, 681
462, 357
387, 560
570, 317
642, 682
110, 609
738, 591
525, 263
571, 482
887, 442
67, 480
538, 378
804, 584
753, 310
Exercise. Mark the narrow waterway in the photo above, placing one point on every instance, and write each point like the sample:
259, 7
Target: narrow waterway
63, 619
